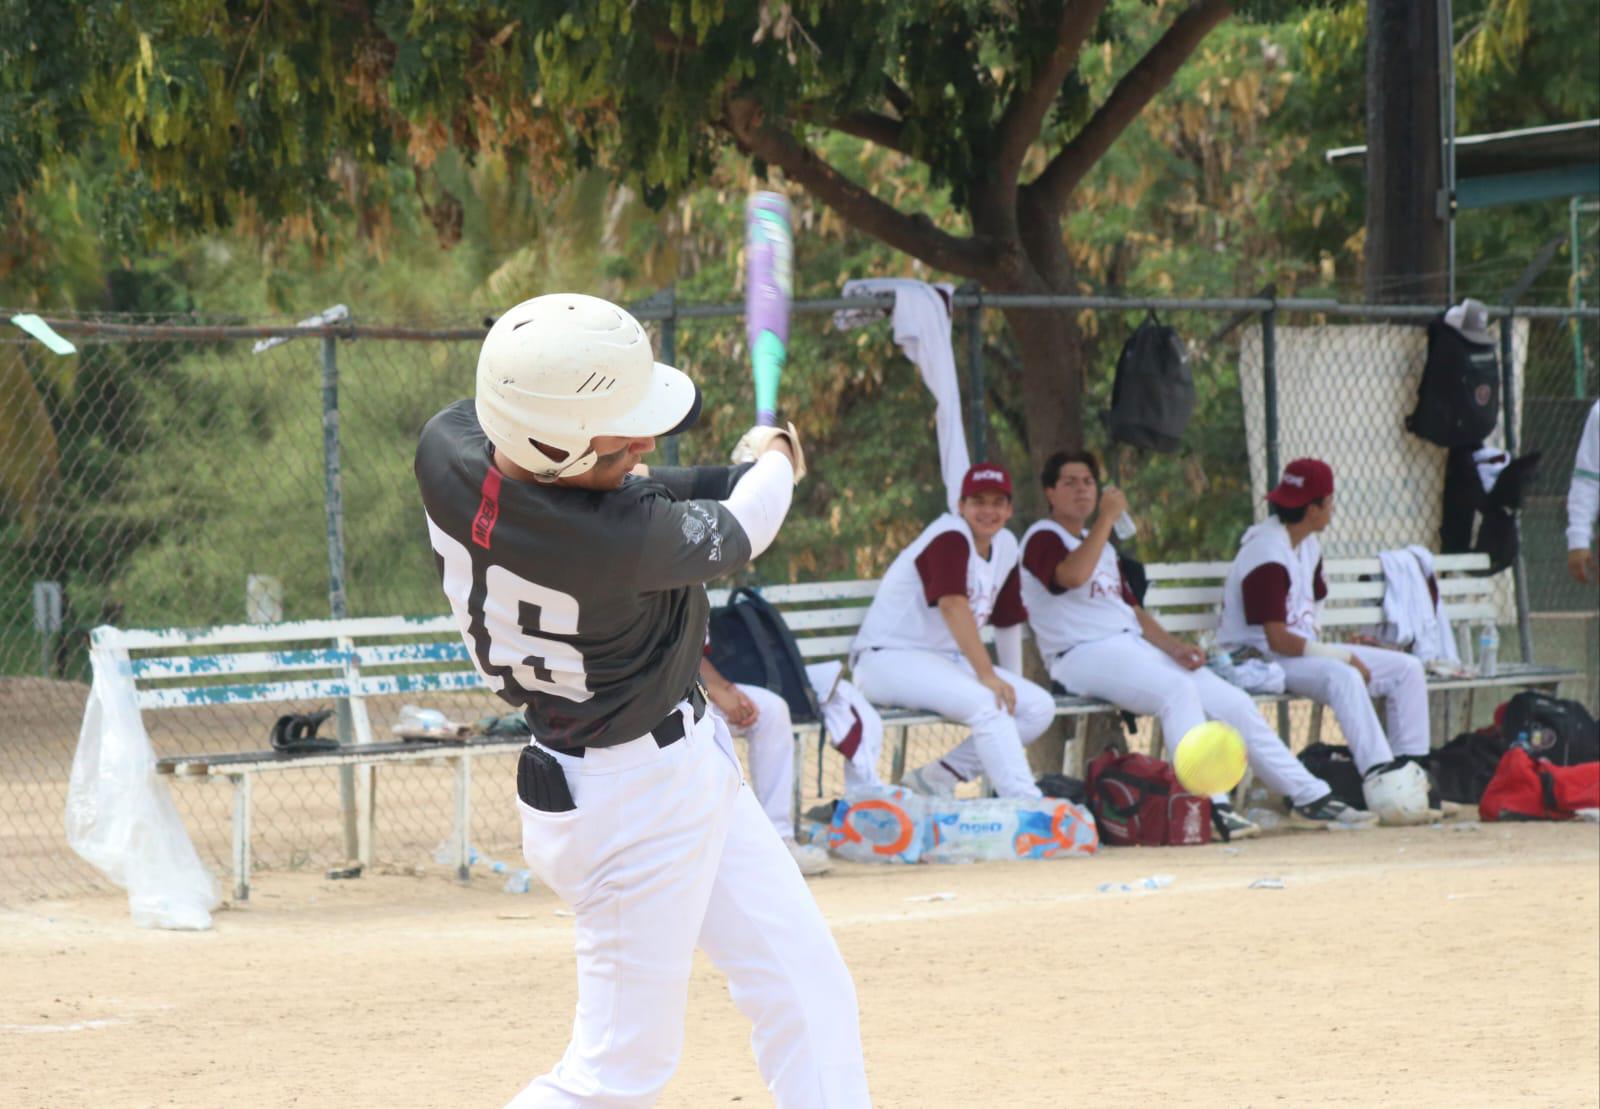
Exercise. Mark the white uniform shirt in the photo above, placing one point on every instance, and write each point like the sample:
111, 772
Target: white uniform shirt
1271, 581
1583, 495
1061, 618
905, 615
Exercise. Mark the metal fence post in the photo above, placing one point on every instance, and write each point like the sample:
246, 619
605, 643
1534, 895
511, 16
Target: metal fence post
1269, 382
669, 355
980, 413
1519, 570
338, 606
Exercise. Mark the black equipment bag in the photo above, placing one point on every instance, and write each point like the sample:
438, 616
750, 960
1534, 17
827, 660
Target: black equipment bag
751, 645
1152, 395
1458, 400
1463, 767
1338, 770
1551, 728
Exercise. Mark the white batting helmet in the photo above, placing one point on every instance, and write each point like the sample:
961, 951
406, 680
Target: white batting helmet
558, 370
1398, 795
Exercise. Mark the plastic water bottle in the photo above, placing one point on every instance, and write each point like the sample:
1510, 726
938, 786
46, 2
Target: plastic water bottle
1488, 651
1124, 527
1221, 664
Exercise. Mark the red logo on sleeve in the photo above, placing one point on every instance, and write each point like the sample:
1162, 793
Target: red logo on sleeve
488, 509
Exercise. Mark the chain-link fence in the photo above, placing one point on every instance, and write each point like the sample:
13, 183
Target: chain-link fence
186, 473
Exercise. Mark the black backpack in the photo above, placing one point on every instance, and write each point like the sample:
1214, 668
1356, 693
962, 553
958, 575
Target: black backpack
1458, 401
751, 645
1561, 731
1337, 770
1463, 767
1152, 395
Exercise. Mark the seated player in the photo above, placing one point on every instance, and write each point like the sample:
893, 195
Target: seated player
920, 646
1272, 601
1098, 641
762, 717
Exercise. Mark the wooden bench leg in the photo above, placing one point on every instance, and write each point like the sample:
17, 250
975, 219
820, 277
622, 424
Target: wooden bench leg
1283, 724
463, 829
366, 812
241, 836
1158, 738
1316, 725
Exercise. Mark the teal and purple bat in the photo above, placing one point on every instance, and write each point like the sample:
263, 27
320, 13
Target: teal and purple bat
769, 259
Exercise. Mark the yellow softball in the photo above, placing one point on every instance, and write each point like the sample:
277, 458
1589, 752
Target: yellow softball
1210, 758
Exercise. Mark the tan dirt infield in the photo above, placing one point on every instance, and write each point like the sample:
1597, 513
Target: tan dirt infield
1427, 966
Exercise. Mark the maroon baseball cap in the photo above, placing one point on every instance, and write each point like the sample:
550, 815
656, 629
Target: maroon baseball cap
986, 477
1304, 480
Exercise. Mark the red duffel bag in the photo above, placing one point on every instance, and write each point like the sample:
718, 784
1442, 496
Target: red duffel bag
1137, 801
1525, 788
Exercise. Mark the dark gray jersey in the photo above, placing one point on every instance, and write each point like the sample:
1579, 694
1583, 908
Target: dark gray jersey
586, 609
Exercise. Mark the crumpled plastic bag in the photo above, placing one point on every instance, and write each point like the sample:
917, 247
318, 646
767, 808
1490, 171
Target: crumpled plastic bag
120, 817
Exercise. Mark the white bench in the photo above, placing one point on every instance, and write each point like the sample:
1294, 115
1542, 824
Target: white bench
351, 660
308, 662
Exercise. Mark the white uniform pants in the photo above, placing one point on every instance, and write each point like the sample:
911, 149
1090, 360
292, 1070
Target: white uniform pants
665, 851
1396, 676
771, 740
1134, 674
950, 687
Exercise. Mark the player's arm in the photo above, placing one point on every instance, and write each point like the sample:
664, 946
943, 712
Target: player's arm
695, 482
1079, 565
692, 541
957, 613
1007, 619
1185, 654
1265, 591
739, 709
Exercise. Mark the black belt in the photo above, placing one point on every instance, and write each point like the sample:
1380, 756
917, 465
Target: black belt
666, 733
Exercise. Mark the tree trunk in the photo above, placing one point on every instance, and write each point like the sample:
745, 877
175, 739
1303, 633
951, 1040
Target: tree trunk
1406, 238
1050, 347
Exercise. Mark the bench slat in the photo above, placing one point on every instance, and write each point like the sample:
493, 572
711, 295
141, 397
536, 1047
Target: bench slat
243, 662
354, 627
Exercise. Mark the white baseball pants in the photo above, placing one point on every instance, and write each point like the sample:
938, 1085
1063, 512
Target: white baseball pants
771, 740
1396, 676
665, 851
949, 686
1134, 674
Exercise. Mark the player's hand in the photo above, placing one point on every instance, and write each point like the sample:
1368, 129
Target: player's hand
1004, 696
1113, 503
1580, 564
1188, 656
758, 440
1361, 668
735, 707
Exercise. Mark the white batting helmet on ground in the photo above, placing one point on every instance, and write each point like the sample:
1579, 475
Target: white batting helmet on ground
1398, 795
558, 370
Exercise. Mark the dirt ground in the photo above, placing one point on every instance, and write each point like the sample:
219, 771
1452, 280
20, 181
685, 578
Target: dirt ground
1428, 966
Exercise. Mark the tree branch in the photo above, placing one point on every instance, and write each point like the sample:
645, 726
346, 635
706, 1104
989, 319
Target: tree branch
875, 128
1024, 116
1138, 87
916, 235
899, 99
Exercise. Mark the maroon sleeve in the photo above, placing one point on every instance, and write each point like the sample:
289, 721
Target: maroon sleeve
1009, 610
1319, 588
1041, 556
942, 565
1266, 594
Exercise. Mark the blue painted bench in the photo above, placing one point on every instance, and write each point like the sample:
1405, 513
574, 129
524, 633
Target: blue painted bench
308, 663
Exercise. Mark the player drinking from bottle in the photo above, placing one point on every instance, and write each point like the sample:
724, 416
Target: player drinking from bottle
578, 588
1098, 641
920, 645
